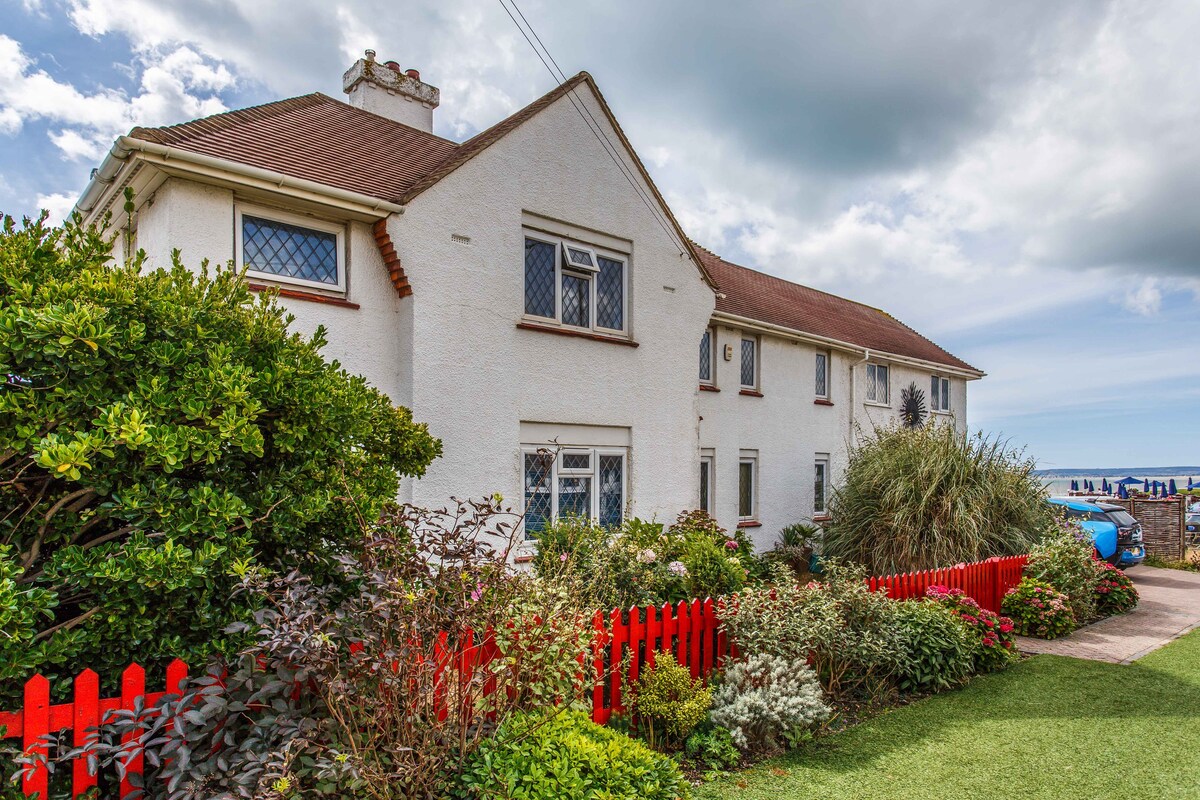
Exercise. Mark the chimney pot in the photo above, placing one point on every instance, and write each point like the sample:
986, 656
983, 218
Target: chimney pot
392, 65
370, 56
413, 73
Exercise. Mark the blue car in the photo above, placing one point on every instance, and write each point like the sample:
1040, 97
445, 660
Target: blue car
1116, 535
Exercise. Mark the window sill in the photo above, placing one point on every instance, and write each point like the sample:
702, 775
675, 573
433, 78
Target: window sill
526, 558
751, 393
821, 401
873, 404
705, 387
579, 334
749, 523
821, 518
297, 294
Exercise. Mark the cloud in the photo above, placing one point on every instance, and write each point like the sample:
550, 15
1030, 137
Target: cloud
59, 205
1146, 299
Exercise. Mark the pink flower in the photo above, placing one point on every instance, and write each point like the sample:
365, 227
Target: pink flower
562, 557
478, 593
731, 545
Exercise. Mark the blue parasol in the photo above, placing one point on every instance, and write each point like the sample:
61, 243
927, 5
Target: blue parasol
1174, 490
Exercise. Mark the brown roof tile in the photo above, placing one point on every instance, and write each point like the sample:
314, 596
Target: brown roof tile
316, 138
765, 298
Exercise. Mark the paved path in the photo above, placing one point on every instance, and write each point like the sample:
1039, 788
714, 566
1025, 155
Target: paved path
1169, 608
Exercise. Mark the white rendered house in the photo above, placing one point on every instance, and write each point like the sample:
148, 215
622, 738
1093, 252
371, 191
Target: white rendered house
531, 297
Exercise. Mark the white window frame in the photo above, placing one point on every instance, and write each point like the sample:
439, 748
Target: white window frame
591, 274
557, 470
711, 380
873, 397
752, 460
821, 504
300, 221
943, 398
827, 356
706, 471
757, 360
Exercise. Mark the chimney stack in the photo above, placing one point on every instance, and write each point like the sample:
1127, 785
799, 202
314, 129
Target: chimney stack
388, 91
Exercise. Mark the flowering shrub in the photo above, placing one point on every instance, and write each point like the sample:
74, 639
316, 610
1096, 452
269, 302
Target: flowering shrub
668, 703
1037, 609
1065, 559
768, 701
996, 634
939, 645
1115, 593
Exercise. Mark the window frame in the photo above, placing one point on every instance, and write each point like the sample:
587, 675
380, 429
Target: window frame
757, 350
711, 332
288, 218
943, 395
558, 471
753, 462
821, 503
887, 384
705, 503
821, 354
591, 275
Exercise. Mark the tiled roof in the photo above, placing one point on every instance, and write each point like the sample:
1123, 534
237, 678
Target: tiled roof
765, 298
316, 138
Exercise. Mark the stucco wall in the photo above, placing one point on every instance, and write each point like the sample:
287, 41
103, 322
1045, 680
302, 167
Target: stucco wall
477, 376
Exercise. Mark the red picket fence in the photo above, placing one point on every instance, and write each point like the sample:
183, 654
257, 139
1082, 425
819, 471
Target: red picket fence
625, 642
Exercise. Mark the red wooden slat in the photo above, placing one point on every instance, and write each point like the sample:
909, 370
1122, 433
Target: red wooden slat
709, 615
36, 724
637, 635
670, 627
620, 634
599, 712
653, 632
697, 630
133, 686
87, 715
682, 629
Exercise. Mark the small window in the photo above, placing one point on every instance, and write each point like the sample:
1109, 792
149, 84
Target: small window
749, 362
747, 478
573, 285
579, 258
576, 299
939, 394
821, 485
822, 384
588, 483
877, 384
708, 352
290, 248
706, 482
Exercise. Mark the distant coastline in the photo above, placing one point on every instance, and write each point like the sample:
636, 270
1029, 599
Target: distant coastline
1136, 472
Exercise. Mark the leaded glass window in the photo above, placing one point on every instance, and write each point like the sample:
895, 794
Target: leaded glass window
610, 294
945, 394
746, 489
290, 251
612, 490
539, 500
539, 278
935, 386
576, 299
706, 356
705, 484
822, 387
820, 482
575, 496
749, 354
877, 383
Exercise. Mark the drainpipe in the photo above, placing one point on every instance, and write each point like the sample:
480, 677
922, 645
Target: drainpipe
854, 380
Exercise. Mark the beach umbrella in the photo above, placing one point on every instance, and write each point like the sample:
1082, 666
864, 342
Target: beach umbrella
1189, 483
1104, 487
1146, 487
1122, 492
1154, 489
1074, 486
1174, 489
1092, 487
1128, 481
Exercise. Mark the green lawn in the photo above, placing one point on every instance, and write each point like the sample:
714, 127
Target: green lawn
1050, 727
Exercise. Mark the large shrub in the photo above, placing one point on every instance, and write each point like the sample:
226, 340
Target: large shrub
848, 633
995, 635
767, 702
940, 648
566, 756
1038, 609
161, 436
380, 691
1115, 593
1065, 560
919, 498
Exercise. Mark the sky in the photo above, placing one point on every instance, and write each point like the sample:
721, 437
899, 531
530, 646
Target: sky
1019, 181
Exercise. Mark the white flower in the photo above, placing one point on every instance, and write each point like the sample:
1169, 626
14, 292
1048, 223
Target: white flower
677, 568
647, 556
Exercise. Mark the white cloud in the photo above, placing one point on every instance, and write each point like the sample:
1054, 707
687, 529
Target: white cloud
59, 205
1146, 299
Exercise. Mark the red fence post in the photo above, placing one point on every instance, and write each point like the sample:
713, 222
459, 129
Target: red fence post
133, 686
86, 715
36, 724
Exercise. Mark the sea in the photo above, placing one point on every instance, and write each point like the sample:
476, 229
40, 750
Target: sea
1056, 485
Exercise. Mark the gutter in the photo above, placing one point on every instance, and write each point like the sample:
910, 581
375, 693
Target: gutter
201, 165
846, 347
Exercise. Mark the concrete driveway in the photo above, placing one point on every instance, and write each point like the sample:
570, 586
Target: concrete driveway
1169, 608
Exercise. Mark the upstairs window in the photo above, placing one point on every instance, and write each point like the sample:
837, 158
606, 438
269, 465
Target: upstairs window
939, 394
708, 356
580, 482
574, 285
821, 390
290, 248
877, 384
750, 362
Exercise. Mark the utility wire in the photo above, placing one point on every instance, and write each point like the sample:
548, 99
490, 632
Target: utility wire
590, 120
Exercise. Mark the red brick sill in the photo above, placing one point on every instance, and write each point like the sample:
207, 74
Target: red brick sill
821, 401
297, 294
750, 393
822, 518
595, 337
704, 387
749, 523
523, 560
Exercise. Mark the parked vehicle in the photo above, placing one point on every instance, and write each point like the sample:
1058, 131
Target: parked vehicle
1193, 523
1116, 535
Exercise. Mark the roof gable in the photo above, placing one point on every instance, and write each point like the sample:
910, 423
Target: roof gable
755, 295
